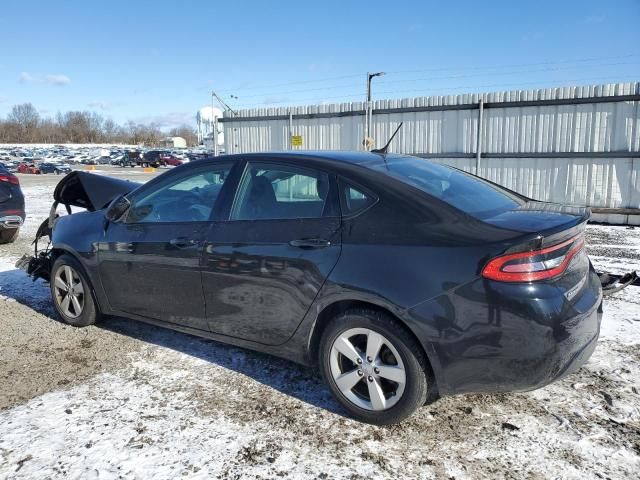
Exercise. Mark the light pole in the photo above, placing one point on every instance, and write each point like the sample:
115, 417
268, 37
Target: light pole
214, 127
368, 114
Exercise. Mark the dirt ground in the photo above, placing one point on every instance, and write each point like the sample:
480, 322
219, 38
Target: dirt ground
129, 400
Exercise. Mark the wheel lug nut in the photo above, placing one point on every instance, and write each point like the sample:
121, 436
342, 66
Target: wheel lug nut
360, 373
369, 359
376, 370
370, 378
359, 361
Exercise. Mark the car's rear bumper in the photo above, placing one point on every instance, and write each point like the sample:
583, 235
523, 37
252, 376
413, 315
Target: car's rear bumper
496, 341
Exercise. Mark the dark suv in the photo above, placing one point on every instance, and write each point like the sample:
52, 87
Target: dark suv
153, 158
11, 206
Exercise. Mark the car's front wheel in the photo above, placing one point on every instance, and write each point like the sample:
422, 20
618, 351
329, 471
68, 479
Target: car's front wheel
373, 366
71, 292
8, 235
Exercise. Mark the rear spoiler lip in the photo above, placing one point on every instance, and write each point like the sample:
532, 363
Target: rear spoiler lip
552, 236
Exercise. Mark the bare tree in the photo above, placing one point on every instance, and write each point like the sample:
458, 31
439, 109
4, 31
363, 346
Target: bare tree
26, 117
24, 125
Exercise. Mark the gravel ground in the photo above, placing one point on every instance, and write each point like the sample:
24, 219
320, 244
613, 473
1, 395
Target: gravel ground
129, 400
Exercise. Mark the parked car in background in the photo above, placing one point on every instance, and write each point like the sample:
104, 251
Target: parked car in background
28, 168
131, 158
170, 159
394, 277
153, 158
195, 156
12, 213
53, 168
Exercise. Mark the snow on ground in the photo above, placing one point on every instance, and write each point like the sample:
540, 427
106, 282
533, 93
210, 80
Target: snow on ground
181, 406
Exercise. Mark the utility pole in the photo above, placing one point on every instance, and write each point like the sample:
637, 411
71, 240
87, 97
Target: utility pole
214, 125
214, 133
368, 111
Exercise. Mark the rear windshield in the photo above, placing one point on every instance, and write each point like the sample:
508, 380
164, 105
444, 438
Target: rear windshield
472, 195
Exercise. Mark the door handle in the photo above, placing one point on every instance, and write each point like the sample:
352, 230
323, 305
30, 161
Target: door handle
310, 243
182, 242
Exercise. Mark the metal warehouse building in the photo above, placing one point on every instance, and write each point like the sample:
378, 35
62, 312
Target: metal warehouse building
578, 145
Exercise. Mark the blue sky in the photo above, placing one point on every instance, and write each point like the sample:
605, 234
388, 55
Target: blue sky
159, 60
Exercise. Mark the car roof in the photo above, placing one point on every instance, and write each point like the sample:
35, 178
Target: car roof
366, 159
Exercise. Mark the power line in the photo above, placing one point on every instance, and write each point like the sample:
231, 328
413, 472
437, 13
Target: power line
514, 72
386, 82
516, 65
300, 91
292, 83
438, 69
430, 91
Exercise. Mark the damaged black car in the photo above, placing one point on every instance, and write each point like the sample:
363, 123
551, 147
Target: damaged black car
396, 278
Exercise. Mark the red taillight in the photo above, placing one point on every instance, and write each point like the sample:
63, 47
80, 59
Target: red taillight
12, 179
534, 265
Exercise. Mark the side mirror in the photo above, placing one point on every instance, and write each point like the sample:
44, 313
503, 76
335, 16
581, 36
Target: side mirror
117, 208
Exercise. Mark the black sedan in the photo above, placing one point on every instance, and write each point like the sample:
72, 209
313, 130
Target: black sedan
398, 279
53, 168
12, 213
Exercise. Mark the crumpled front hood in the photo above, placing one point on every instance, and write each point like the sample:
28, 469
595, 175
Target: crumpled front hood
90, 191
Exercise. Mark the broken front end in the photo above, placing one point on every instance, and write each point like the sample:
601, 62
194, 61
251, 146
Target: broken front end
84, 190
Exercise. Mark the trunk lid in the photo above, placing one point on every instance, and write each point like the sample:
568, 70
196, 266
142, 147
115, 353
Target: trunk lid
542, 223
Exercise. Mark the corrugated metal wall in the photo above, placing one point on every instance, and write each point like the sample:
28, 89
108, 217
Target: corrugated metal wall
598, 126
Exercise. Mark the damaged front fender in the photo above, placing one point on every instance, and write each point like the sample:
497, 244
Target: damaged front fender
78, 189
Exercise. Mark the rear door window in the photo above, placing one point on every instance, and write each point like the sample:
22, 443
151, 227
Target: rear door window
281, 192
354, 199
465, 192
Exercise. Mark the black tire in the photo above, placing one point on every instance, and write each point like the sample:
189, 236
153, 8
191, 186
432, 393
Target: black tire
8, 235
89, 313
413, 359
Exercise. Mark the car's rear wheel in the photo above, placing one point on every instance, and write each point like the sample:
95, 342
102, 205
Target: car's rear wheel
8, 235
71, 292
373, 366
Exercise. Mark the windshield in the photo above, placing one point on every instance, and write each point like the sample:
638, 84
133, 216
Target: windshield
470, 194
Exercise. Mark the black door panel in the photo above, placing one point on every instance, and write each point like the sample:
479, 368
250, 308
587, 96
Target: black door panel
257, 286
153, 275
264, 267
150, 264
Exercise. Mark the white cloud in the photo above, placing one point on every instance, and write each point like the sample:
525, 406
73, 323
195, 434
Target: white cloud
100, 105
50, 79
169, 120
59, 80
25, 77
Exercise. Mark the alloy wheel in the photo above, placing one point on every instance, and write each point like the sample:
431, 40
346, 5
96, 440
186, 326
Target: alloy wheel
367, 369
69, 291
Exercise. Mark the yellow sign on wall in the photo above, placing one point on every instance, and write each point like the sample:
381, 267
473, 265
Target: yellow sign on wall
296, 140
